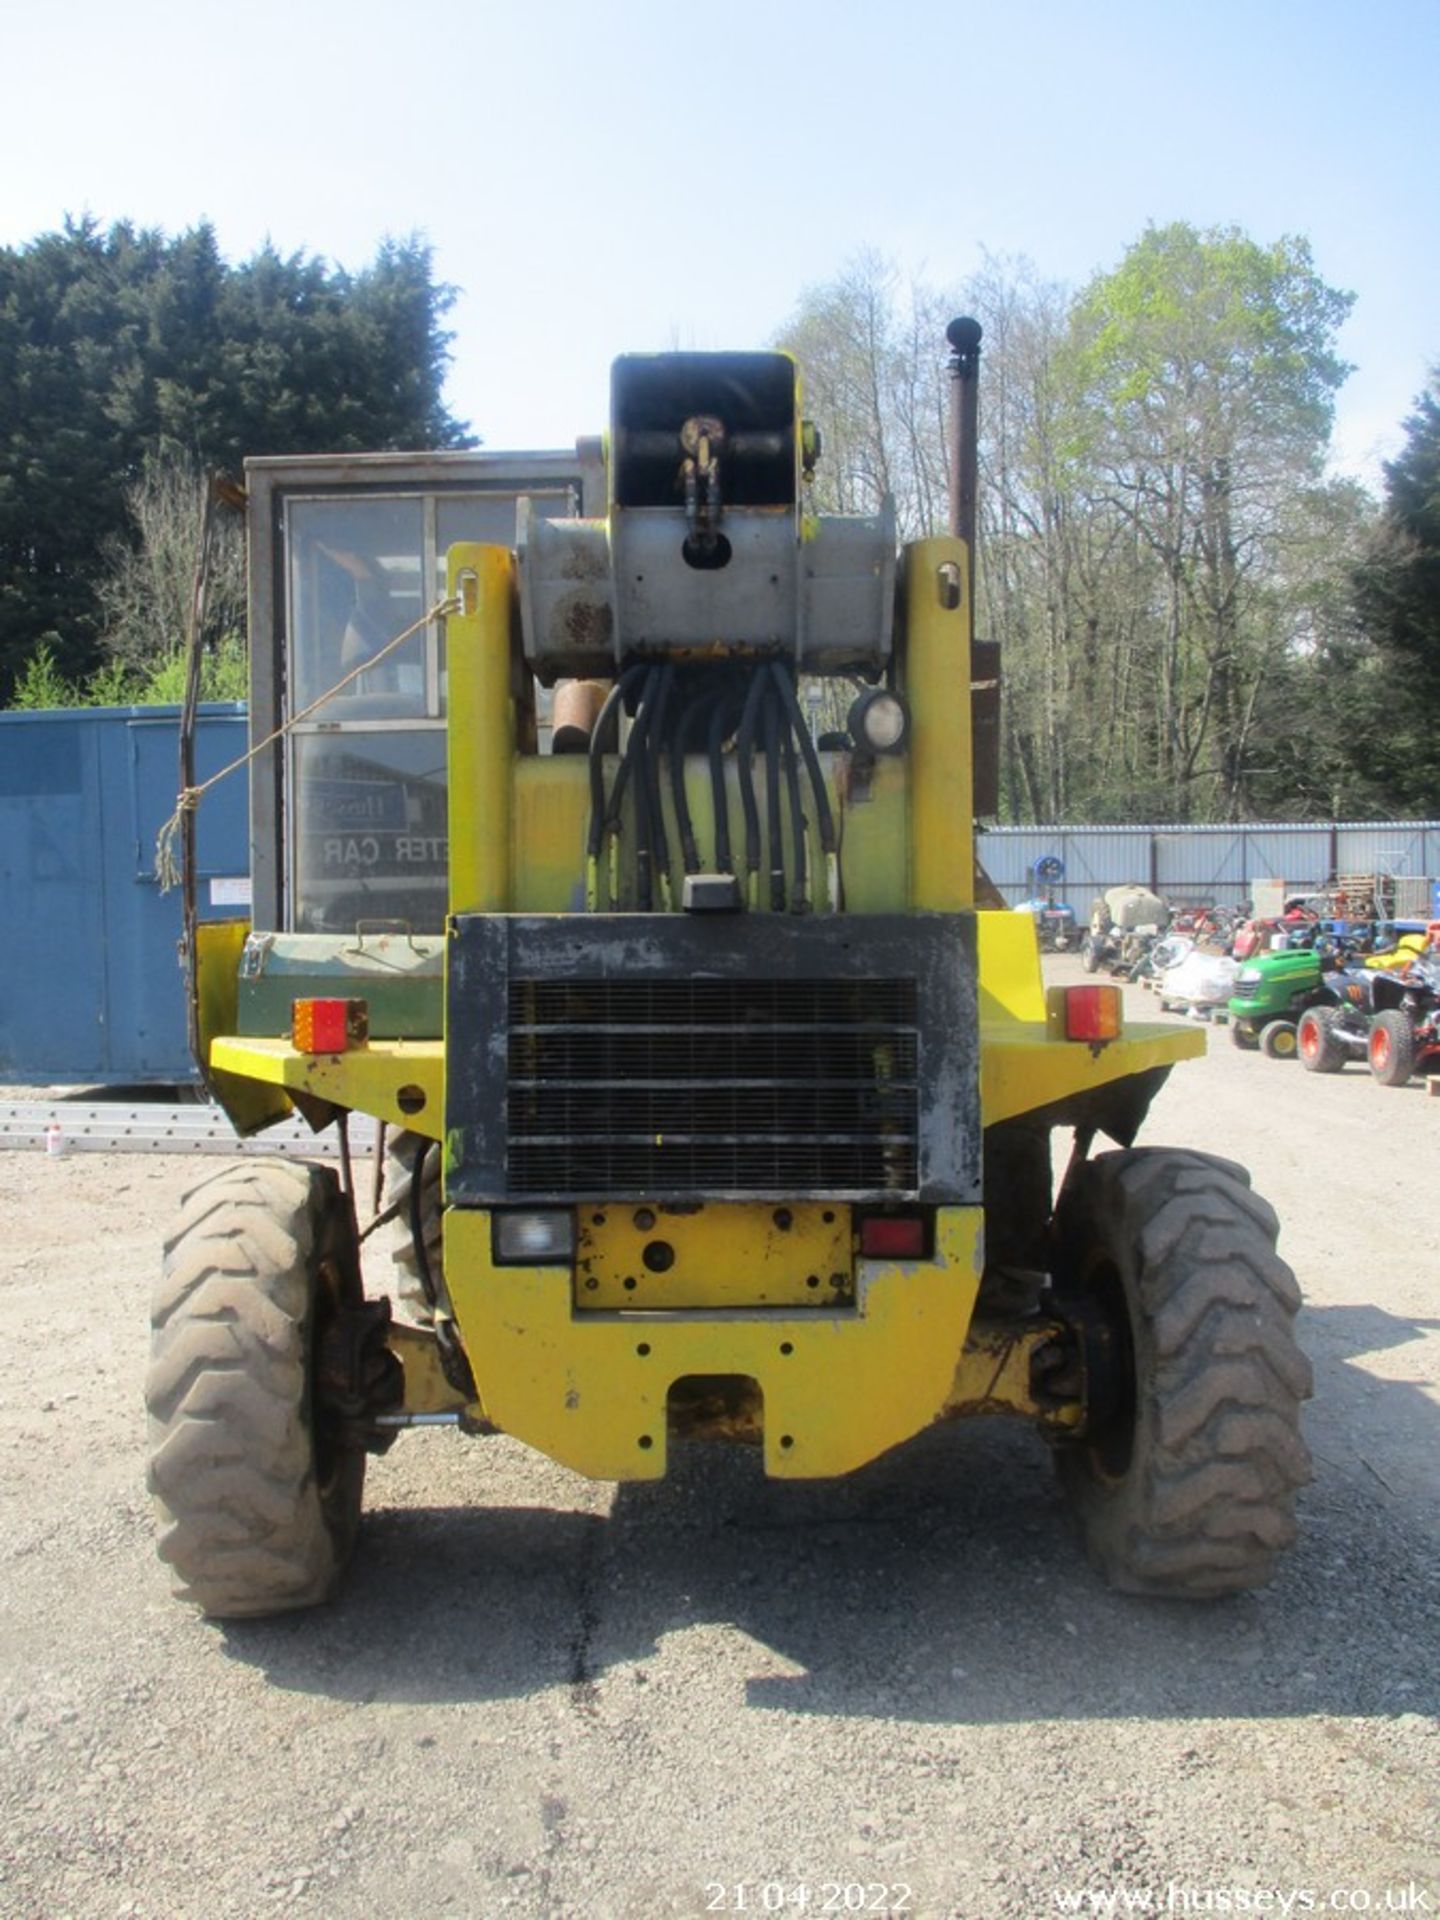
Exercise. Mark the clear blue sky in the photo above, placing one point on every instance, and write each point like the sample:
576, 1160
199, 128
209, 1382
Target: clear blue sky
597, 178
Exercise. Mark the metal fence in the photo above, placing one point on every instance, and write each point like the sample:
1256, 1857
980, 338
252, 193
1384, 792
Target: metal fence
1212, 865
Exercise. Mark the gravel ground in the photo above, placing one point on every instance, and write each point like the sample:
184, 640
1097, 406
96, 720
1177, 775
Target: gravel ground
904, 1691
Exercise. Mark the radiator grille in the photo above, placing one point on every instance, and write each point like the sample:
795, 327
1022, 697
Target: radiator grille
741, 1086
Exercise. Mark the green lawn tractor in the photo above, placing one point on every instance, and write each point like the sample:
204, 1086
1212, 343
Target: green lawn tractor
1272, 991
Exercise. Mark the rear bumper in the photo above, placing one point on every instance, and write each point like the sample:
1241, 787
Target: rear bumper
592, 1389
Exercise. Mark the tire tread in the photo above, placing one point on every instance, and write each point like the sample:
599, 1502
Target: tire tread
1207, 1501
243, 1520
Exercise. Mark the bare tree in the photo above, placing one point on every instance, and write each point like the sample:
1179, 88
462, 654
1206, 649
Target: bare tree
1150, 453
146, 589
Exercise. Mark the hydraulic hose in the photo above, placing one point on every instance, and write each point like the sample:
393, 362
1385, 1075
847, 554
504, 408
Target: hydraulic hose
417, 1222
773, 821
595, 838
680, 747
745, 754
596, 756
798, 901
825, 819
650, 770
725, 708
632, 745
633, 759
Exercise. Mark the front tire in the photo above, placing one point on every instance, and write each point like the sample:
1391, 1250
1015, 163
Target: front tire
1320, 1051
258, 1495
1278, 1041
1185, 1481
402, 1150
1391, 1048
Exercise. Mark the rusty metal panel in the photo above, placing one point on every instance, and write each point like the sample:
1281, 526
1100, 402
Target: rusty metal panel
985, 726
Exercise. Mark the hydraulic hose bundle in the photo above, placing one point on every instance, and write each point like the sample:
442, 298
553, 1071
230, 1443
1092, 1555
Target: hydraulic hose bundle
673, 711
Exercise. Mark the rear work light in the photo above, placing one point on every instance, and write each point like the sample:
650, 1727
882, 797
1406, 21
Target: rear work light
539, 1238
328, 1026
1091, 1014
878, 721
890, 1236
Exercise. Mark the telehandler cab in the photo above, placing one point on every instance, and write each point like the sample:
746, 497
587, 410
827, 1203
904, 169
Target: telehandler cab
722, 1100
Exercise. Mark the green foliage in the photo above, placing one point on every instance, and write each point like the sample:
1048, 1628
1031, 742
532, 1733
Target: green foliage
1398, 586
1161, 561
113, 685
1204, 370
1201, 337
119, 346
42, 685
224, 675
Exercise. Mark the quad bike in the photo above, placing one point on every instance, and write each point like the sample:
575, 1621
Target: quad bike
1383, 1015
1337, 1028
1405, 1032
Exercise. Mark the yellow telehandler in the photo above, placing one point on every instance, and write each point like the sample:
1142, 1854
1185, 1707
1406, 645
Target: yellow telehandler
719, 1090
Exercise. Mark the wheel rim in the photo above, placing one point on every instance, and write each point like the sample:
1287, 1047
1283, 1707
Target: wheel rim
1282, 1045
1380, 1049
1309, 1042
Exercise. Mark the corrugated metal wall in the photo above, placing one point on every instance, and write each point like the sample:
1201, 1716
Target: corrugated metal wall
1208, 863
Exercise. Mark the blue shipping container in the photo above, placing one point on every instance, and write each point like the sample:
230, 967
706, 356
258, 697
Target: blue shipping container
90, 985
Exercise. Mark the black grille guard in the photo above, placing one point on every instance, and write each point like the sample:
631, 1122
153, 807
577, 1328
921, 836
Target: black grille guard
665, 1057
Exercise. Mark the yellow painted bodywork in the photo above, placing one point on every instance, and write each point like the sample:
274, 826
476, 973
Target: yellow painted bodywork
579, 1361
1012, 987
591, 1389
994, 1376
937, 679
250, 1101
399, 1081
1022, 1070
552, 810
1022, 1065
737, 1256
426, 1388
480, 726
518, 821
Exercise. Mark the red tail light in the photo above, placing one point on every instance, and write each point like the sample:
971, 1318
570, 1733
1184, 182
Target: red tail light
886, 1236
328, 1026
1093, 1014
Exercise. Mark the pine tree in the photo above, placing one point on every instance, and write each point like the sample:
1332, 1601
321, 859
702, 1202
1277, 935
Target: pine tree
121, 346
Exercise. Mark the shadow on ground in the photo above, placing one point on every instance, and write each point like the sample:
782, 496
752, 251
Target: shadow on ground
940, 1584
